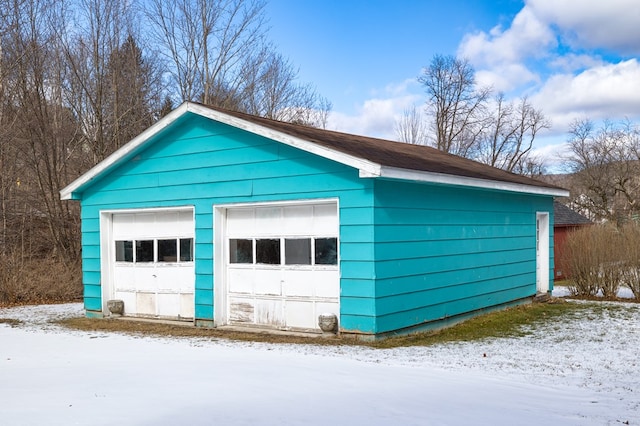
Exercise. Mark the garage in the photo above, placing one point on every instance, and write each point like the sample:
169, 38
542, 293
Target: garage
151, 255
281, 265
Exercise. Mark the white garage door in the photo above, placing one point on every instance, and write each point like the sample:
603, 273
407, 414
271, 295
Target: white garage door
153, 268
282, 265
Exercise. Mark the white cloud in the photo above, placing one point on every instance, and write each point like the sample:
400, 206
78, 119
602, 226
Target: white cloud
605, 91
499, 56
610, 24
376, 117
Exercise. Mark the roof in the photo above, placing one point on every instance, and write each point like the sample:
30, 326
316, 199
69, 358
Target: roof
564, 216
374, 158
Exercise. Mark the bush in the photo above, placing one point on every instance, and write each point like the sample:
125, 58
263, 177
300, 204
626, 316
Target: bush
29, 281
601, 258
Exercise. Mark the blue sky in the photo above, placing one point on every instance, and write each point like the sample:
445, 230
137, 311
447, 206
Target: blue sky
572, 58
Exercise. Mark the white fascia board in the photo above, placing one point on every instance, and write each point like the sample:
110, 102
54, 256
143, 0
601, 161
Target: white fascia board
368, 168
431, 177
67, 192
364, 166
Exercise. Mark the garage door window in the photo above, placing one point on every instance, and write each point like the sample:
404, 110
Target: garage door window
326, 251
297, 251
149, 251
268, 251
144, 251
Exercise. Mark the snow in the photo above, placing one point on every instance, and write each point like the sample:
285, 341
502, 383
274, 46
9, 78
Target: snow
580, 372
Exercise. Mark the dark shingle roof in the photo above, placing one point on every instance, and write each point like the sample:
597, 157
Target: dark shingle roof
563, 215
392, 154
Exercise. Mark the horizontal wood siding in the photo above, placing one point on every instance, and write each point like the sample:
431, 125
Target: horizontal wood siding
444, 251
199, 163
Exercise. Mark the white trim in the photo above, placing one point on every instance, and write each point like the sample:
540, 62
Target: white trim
542, 252
293, 141
67, 192
219, 266
366, 168
431, 177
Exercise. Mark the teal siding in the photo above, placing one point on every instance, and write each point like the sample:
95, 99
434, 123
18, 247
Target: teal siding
199, 163
442, 252
410, 253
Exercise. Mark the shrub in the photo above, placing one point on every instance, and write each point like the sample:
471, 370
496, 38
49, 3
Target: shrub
631, 253
601, 258
594, 257
28, 281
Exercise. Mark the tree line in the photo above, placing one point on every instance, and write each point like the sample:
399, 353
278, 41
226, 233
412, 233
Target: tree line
80, 78
459, 117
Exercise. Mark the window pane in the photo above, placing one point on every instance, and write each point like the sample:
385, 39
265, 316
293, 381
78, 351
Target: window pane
144, 251
297, 251
268, 251
186, 250
240, 251
167, 251
326, 251
124, 251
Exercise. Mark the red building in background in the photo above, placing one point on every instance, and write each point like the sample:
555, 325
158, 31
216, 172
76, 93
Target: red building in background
565, 222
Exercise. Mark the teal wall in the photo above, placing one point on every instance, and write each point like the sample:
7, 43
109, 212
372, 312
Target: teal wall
198, 162
444, 251
410, 253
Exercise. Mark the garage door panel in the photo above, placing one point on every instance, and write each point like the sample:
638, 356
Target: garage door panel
297, 220
297, 283
327, 283
241, 280
187, 305
240, 222
168, 304
174, 278
129, 299
241, 310
327, 308
145, 303
124, 278
269, 312
145, 280
300, 314
268, 282
325, 220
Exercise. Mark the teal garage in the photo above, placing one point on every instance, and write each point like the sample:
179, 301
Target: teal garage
223, 219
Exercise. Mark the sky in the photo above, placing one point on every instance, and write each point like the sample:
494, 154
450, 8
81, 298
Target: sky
573, 59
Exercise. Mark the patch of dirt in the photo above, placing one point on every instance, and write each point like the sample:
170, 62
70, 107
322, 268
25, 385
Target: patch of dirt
144, 328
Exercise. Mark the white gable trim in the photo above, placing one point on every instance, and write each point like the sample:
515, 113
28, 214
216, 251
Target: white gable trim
431, 177
67, 192
366, 168
293, 141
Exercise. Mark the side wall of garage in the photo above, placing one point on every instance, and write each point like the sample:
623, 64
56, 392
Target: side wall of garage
198, 163
445, 251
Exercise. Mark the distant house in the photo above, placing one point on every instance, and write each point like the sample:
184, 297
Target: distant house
566, 221
225, 219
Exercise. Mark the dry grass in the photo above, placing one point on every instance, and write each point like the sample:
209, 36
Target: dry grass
504, 323
38, 281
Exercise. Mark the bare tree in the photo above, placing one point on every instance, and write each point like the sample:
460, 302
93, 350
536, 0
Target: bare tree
605, 161
206, 42
219, 55
509, 136
411, 128
458, 107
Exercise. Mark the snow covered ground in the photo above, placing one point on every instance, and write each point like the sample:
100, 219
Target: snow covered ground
582, 372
